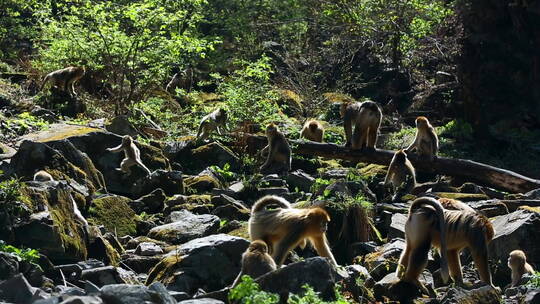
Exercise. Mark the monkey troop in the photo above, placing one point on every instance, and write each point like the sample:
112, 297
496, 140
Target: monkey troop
517, 262
366, 118
278, 150
255, 261
132, 155
400, 174
426, 143
284, 227
64, 79
450, 231
312, 130
213, 121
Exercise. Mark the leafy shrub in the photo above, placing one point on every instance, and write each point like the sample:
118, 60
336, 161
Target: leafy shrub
535, 280
457, 129
249, 292
26, 254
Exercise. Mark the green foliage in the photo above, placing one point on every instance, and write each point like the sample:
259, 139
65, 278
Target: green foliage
29, 255
249, 292
401, 139
394, 28
10, 190
225, 173
248, 94
16, 25
26, 122
318, 184
535, 280
130, 45
457, 129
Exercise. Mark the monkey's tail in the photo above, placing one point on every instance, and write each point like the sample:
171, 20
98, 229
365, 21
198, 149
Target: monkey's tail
270, 200
442, 227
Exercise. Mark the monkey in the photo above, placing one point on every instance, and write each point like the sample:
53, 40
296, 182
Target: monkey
255, 261
517, 261
43, 176
448, 230
366, 117
400, 175
426, 142
132, 155
313, 130
285, 228
182, 79
452, 204
279, 152
213, 121
65, 79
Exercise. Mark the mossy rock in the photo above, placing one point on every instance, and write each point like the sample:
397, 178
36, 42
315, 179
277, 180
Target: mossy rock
58, 132
241, 232
202, 183
531, 209
209, 155
372, 170
114, 213
335, 97
290, 103
192, 203
102, 250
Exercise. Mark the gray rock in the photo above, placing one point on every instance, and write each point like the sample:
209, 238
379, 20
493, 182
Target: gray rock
209, 263
484, 294
128, 294
202, 301
273, 191
140, 264
216, 154
237, 187
148, 249
382, 287
150, 203
108, 275
185, 226
397, 226
517, 230
82, 300
17, 290
163, 293
300, 180
9, 265
532, 297
335, 174
71, 272
120, 125
489, 208
171, 182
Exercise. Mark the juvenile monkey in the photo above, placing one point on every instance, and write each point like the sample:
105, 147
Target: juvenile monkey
426, 142
255, 261
64, 79
448, 230
132, 155
312, 130
284, 228
43, 176
213, 121
518, 263
279, 152
400, 174
366, 117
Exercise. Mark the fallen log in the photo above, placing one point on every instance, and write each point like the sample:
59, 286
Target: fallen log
469, 170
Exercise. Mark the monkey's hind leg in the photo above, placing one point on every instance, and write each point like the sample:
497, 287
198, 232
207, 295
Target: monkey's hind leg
144, 167
126, 164
372, 138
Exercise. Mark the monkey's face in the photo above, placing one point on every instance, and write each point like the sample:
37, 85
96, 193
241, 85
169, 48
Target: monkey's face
422, 122
515, 260
271, 130
258, 246
127, 140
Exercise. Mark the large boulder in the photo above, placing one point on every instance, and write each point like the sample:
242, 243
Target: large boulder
185, 226
210, 263
114, 212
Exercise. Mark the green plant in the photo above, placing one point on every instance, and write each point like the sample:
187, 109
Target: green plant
225, 173
27, 122
535, 280
248, 292
26, 254
318, 184
458, 129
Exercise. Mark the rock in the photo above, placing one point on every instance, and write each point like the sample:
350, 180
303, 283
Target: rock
171, 182
16, 290
185, 226
120, 125
107, 275
273, 191
459, 295
140, 264
210, 263
133, 243
148, 249
204, 182
532, 297
290, 103
199, 204
382, 287
128, 294
300, 180
82, 300
517, 230
114, 213
335, 174
101, 249
71, 272
9, 265
229, 208
214, 154
202, 301
490, 208
150, 203
397, 226
273, 181
316, 272
58, 232
164, 296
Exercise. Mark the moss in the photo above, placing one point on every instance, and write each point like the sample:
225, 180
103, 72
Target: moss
531, 209
164, 270
201, 183
113, 257
372, 170
65, 225
241, 232
66, 131
466, 197
338, 97
115, 214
